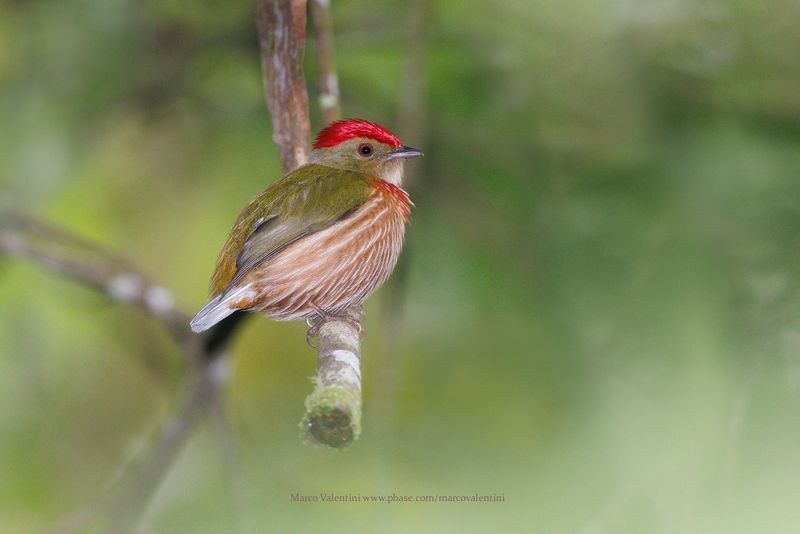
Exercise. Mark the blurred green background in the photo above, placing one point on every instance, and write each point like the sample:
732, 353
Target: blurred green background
600, 315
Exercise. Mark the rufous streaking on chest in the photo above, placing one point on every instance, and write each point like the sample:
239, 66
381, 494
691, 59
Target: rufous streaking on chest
321, 239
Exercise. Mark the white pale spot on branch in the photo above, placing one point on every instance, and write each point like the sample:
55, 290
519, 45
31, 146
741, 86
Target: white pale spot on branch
327, 100
125, 287
159, 300
348, 358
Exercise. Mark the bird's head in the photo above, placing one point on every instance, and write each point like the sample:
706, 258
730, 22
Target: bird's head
362, 146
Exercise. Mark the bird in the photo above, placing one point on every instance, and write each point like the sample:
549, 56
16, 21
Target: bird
316, 243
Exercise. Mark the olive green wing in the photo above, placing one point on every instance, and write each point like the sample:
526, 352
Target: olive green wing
307, 200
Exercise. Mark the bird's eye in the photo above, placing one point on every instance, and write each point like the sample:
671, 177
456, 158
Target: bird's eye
365, 150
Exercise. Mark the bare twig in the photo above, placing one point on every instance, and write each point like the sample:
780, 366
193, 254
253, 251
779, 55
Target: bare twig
282, 31
328, 80
24, 236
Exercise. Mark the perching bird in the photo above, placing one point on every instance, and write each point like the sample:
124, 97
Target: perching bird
318, 241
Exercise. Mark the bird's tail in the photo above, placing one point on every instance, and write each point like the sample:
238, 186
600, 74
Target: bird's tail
216, 310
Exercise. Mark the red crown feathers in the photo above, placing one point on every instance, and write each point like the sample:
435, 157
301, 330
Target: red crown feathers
344, 130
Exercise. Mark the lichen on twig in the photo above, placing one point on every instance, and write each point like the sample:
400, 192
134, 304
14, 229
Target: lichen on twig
333, 409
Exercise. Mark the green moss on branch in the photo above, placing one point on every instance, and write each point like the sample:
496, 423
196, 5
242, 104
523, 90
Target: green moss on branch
333, 410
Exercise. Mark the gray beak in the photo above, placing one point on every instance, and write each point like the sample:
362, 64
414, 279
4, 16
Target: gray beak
404, 152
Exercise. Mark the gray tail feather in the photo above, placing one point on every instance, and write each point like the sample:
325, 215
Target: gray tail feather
212, 313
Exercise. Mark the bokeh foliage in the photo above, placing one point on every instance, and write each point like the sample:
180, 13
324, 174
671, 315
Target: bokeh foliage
601, 314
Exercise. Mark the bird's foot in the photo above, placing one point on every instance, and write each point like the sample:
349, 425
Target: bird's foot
350, 316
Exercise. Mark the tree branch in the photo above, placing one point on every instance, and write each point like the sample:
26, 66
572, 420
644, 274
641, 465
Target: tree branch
23, 236
282, 31
328, 80
333, 410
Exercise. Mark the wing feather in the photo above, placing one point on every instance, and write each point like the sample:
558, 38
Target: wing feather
305, 201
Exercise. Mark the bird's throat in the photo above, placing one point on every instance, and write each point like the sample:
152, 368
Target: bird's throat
393, 172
